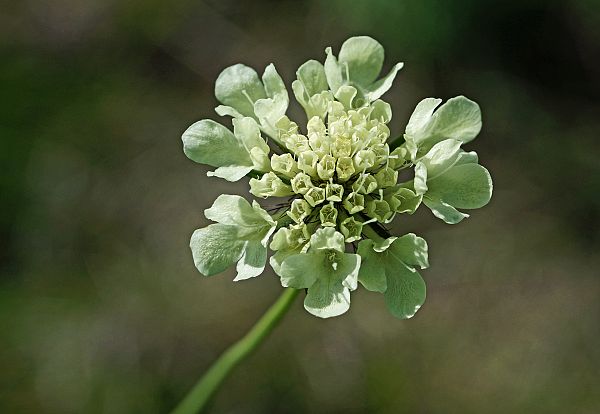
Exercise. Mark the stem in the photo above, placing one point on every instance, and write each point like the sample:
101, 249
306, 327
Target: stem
208, 385
396, 142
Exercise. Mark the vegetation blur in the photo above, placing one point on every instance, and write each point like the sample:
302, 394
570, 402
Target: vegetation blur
101, 308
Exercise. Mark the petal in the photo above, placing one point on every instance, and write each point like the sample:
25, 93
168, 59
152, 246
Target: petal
389, 269
409, 200
301, 270
215, 248
246, 130
325, 299
346, 94
411, 250
230, 173
363, 57
381, 111
312, 77
209, 142
327, 238
467, 158
444, 211
274, 85
333, 71
459, 118
441, 157
377, 89
234, 210
463, 186
371, 274
223, 110
270, 110
253, 261
349, 266
420, 181
238, 86
405, 292
277, 259
421, 116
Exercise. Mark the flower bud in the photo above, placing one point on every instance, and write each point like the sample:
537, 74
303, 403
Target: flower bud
398, 157
260, 159
301, 183
307, 162
299, 210
326, 167
379, 210
354, 203
342, 147
344, 168
269, 186
315, 196
351, 229
365, 184
328, 215
290, 237
386, 177
382, 152
316, 126
364, 159
334, 192
284, 164
296, 143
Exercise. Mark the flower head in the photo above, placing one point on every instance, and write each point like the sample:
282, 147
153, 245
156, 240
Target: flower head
336, 178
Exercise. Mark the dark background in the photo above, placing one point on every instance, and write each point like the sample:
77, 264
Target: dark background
101, 308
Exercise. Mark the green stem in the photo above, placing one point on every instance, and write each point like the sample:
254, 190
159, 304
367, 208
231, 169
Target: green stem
396, 142
208, 385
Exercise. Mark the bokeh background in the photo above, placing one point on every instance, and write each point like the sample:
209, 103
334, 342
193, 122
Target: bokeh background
101, 308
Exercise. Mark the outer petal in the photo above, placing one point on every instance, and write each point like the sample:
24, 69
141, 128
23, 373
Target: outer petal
333, 71
238, 86
421, 116
246, 130
420, 181
209, 142
459, 118
443, 210
441, 157
274, 85
377, 89
215, 248
349, 266
411, 250
371, 274
312, 76
405, 292
463, 186
301, 270
230, 173
325, 299
327, 238
409, 201
392, 260
270, 110
253, 261
364, 59
235, 210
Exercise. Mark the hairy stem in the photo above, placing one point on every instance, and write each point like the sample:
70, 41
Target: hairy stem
195, 401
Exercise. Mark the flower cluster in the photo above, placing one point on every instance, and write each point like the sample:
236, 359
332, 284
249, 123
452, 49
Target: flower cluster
337, 179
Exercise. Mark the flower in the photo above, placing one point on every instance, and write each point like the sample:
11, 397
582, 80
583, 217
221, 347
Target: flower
337, 179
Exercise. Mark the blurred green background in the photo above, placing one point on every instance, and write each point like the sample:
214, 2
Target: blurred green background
101, 308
